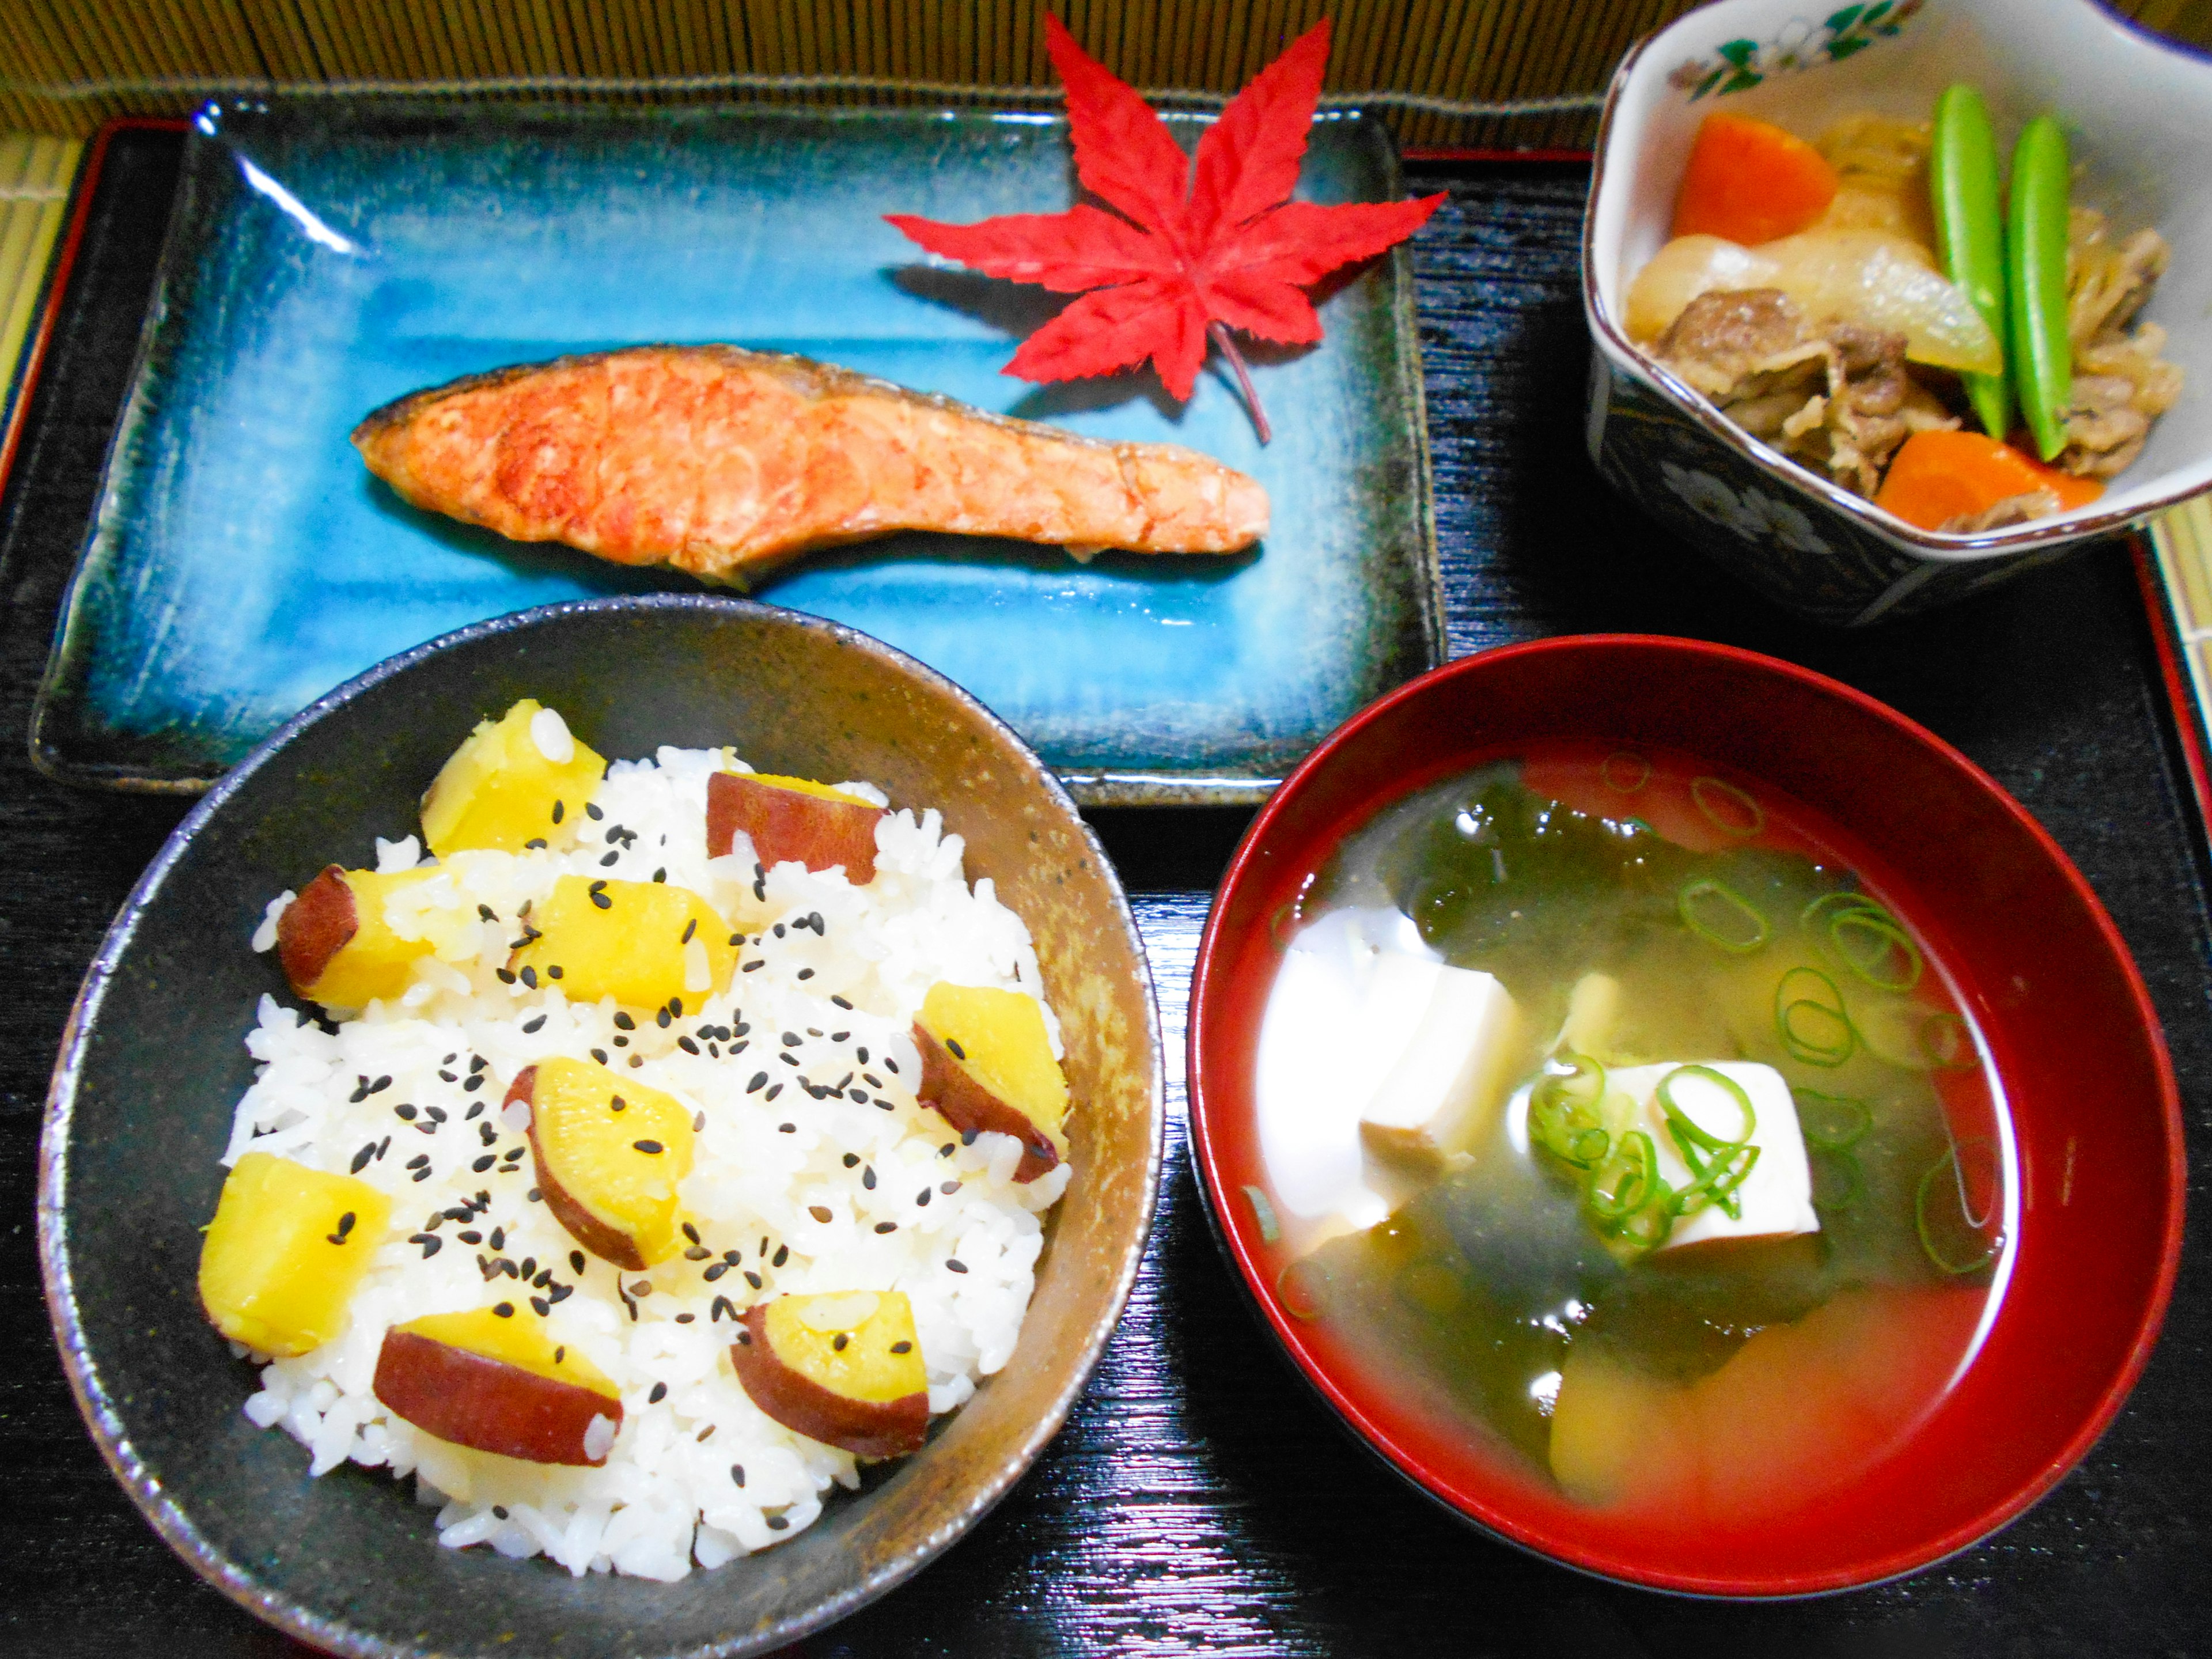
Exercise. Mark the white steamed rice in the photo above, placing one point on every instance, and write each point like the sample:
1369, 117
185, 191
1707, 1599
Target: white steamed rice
700, 1474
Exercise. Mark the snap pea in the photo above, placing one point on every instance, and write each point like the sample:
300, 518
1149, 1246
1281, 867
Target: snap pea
2042, 357
1962, 178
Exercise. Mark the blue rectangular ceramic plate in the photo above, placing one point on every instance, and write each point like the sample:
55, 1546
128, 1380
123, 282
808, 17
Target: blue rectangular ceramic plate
323, 261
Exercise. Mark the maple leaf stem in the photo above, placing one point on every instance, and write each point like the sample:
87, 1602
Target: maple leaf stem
1220, 335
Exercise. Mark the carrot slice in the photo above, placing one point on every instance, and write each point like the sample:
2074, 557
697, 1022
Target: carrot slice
1937, 476
1750, 181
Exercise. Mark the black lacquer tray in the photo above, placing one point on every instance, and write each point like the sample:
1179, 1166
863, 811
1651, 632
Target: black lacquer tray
1200, 1499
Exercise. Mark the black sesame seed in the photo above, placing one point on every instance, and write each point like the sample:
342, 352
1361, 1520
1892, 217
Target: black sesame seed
404, 1112
418, 1161
530, 1267
532, 1026
733, 1257
534, 1196
868, 1178
487, 913
757, 962
722, 1305
945, 1150
555, 971
759, 1082
787, 1128
803, 973
661, 874
448, 1076
890, 1065
535, 844
948, 1188
647, 1146
777, 1523
782, 1254
952, 1045
530, 982
617, 1104
593, 811
421, 1174
968, 1137
513, 1156
660, 1393
841, 1002
752, 1279
484, 1163
675, 1006
922, 1197
435, 1114
697, 1253
504, 975
559, 808
851, 1158
540, 1306
954, 1264
690, 928
902, 1347
471, 1236
431, 1243
788, 1058
687, 1045
840, 1342
773, 1093
839, 1036
560, 1293
361, 1159
476, 1111
861, 1055
622, 1042
716, 1271
887, 1226
685, 1318
661, 1019
737, 1472
504, 1309
777, 930
869, 1078
859, 1097
698, 1123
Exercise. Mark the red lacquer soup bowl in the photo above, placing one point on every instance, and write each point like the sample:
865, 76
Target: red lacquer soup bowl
2096, 1176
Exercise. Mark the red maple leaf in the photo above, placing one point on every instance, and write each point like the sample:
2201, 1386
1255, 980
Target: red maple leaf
1197, 246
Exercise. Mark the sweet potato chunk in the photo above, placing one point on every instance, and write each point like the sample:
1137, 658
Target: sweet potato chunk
286, 1249
497, 1382
843, 1367
793, 818
609, 1154
987, 1064
336, 945
639, 942
518, 779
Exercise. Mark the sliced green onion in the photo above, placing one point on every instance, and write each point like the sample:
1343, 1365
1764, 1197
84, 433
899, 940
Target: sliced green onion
1563, 1111
1717, 1182
1615, 770
1832, 1123
1728, 920
1626, 1182
1843, 899
1303, 1289
1753, 816
1816, 1031
1892, 944
1950, 1254
1948, 1045
1686, 1131
1264, 1212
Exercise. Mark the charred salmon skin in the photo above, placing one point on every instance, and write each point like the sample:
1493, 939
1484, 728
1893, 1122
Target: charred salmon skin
725, 462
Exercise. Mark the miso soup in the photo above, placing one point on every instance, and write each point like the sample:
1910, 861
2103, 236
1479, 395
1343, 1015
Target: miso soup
1612, 1115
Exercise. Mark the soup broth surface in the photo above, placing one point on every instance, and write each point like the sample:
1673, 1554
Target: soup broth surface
1710, 1383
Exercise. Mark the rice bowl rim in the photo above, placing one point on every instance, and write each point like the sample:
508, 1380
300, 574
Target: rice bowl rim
169, 1518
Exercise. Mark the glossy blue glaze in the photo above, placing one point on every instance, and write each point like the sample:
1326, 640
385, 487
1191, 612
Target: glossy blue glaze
323, 263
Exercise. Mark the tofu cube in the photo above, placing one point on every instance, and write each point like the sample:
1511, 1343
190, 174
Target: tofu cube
1450, 1077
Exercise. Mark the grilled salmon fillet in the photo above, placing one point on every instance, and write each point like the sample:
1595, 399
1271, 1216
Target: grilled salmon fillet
725, 462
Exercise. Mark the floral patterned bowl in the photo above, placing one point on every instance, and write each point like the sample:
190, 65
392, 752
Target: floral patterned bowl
2139, 118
